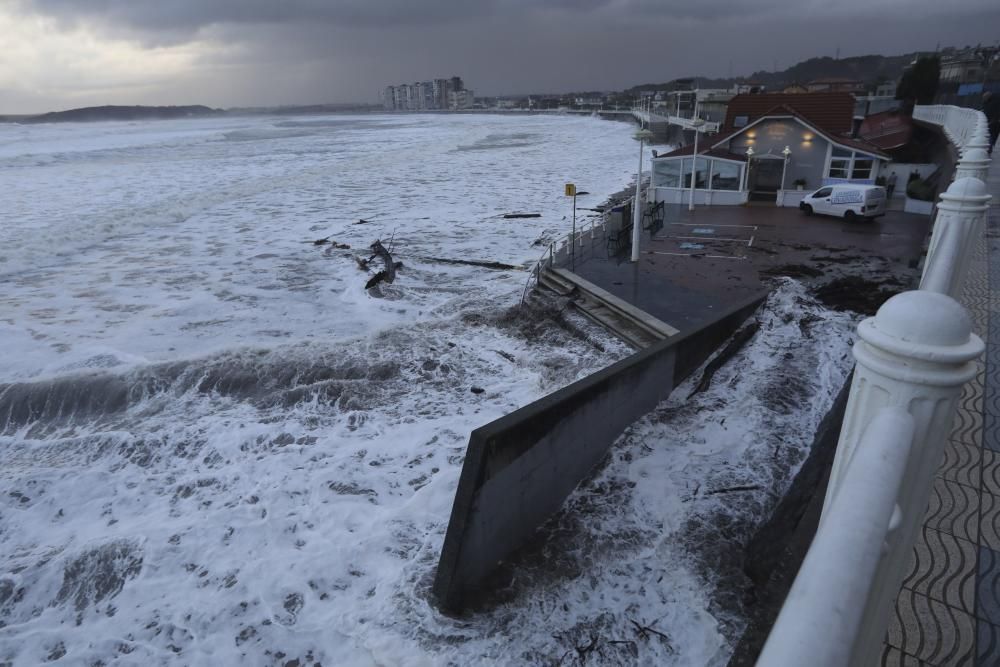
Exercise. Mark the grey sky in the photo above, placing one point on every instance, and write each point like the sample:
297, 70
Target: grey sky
66, 53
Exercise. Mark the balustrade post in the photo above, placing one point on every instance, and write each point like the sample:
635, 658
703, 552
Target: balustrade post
961, 216
975, 163
916, 353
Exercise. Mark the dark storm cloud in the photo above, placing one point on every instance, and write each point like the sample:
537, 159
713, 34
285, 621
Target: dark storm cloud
302, 51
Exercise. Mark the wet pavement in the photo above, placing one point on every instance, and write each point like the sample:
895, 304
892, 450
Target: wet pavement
703, 261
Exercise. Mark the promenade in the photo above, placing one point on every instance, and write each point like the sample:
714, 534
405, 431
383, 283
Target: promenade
948, 611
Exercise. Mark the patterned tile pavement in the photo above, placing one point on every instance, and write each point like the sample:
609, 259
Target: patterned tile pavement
948, 611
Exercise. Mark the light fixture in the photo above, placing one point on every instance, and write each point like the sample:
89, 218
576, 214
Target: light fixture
786, 152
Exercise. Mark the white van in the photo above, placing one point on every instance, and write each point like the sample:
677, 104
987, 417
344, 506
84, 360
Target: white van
848, 201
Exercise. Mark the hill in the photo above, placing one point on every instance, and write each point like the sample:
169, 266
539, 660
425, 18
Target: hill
87, 114
870, 69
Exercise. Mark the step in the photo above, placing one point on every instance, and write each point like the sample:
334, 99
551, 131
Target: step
610, 320
555, 283
656, 327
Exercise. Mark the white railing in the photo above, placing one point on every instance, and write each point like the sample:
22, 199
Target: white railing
912, 358
958, 123
841, 565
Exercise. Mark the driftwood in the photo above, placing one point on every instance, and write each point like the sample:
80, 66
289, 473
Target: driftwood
733, 489
511, 216
387, 274
499, 266
736, 343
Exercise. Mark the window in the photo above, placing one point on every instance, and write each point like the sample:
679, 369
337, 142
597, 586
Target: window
700, 176
839, 167
740, 121
667, 173
725, 175
822, 192
862, 168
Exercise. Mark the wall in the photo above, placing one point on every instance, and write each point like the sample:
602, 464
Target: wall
519, 469
902, 171
808, 158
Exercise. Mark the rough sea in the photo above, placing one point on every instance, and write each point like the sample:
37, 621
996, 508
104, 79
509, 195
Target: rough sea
216, 447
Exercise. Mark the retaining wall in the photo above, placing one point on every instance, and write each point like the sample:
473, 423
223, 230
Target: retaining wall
520, 469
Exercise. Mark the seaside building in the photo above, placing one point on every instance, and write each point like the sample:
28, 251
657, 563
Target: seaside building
747, 159
427, 95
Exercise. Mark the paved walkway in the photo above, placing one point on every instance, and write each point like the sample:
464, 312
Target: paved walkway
948, 611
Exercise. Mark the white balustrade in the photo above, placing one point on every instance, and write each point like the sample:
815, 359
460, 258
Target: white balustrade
915, 354
961, 219
840, 568
912, 359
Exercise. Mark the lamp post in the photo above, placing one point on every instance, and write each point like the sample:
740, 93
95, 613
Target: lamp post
784, 165
746, 172
642, 136
697, 123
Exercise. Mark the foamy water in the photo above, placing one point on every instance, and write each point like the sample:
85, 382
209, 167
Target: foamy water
216, 447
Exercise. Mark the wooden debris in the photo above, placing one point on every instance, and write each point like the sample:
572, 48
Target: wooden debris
511, 216
736, 343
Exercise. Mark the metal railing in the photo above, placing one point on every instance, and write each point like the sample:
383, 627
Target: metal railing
565, 246
913, 358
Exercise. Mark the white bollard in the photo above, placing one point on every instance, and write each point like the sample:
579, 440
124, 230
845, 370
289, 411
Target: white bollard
916, 353
961, 216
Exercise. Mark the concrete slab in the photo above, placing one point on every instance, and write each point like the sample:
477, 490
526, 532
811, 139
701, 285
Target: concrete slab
703, 261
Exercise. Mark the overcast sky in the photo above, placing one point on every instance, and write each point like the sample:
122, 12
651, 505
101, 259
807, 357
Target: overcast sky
58, 54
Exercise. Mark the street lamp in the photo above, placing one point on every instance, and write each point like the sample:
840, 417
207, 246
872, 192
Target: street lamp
642, 136
746, 172
787, 152
697, 123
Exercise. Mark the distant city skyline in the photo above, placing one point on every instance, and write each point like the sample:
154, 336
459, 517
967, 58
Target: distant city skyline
60, 54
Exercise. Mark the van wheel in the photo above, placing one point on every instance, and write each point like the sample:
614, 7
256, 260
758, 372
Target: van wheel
807, 209
850, 216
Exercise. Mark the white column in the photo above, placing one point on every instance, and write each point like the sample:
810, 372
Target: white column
694, 170
960, 219
916, 353
637, 210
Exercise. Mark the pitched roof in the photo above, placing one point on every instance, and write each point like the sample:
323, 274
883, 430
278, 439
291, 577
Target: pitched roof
830, 112
784, 112
888, 129
704, 150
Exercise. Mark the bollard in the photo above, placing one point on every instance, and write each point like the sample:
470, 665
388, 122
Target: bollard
916, 353
961, 217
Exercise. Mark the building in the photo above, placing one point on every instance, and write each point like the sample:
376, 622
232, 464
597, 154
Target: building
795, 88
427, 95
460, 99
747, 159
886, 89
835, 85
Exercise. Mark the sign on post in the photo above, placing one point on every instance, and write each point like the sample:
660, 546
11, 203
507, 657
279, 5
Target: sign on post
570, 190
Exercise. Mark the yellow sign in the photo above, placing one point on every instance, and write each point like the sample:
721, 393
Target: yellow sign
570, 190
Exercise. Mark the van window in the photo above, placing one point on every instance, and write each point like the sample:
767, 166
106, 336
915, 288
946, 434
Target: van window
822, 192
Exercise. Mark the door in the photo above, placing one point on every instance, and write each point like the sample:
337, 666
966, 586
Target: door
765, 177
820, 201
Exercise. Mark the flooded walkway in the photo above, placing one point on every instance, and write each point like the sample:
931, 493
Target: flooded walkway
703, 261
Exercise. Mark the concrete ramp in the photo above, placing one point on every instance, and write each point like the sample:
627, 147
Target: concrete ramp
636, 327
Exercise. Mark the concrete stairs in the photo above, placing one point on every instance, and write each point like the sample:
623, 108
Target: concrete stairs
634, 326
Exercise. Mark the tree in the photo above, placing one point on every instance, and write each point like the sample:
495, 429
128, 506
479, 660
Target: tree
920, 82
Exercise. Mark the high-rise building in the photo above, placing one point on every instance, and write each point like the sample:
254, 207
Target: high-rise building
427, 95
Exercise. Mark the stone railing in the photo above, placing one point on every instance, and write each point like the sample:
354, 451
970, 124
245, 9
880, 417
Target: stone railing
958, 123
913, 359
